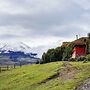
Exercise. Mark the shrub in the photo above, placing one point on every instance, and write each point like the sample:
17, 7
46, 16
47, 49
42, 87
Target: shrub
81, 58
72, 59
88, 57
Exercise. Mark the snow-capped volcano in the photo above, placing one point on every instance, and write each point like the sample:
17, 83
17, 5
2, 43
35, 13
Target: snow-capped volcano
20, 46
17, 53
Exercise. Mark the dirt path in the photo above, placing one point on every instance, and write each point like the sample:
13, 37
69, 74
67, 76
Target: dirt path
85, 85
67, 73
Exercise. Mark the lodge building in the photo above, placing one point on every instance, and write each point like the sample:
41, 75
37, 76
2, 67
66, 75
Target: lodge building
80, 47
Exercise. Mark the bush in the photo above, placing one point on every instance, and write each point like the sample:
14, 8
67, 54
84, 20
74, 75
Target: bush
72, 59
88, 57
81, 58
85, 61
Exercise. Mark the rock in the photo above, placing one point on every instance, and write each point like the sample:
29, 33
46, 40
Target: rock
85, 85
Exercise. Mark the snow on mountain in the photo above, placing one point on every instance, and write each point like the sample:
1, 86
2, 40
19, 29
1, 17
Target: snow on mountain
17, 53
20, 46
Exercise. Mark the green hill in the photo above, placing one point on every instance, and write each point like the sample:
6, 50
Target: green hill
50, 76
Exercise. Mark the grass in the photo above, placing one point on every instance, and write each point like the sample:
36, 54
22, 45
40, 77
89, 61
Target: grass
27, 77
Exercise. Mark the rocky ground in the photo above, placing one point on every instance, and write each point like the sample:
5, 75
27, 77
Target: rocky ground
85, 85
68, 73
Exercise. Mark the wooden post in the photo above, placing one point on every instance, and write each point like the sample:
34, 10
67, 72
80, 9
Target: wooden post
20, 64
0, 69
7, 67
14, 66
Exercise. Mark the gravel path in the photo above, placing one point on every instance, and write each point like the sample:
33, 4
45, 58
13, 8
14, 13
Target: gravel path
85, 85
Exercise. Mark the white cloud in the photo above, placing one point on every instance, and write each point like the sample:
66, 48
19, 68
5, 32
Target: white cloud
85, 4
42, 23
12, 30
10, 8
33, 7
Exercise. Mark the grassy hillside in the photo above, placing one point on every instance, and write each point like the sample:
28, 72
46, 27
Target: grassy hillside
31, 77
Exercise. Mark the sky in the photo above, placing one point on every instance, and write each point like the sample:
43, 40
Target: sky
43, 24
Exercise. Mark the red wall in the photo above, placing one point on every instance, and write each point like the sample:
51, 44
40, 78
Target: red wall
79, 50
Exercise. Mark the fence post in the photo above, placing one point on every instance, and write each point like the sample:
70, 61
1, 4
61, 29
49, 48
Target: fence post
0, 69
7, 67
14, 66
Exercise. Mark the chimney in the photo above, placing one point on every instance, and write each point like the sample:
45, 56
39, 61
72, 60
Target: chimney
76, 37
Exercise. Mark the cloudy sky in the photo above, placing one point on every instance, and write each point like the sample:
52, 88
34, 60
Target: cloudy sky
43, 24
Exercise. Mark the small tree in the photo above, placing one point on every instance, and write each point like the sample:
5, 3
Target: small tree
88, 35
88, 43
67, 52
